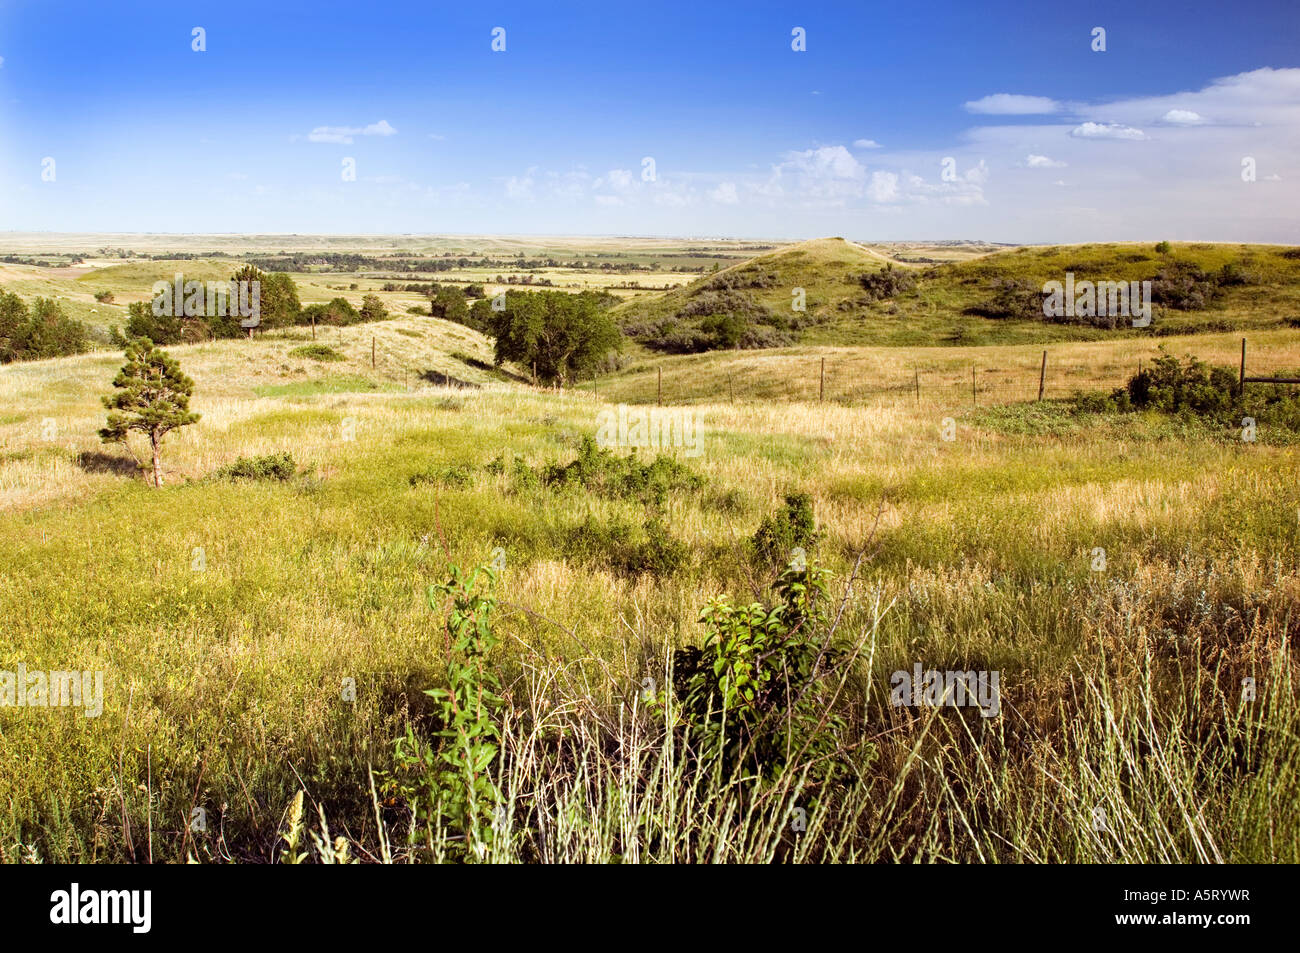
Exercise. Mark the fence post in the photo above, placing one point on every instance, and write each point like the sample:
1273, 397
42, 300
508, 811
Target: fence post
1241, 380
372, 352
731, 387
1042, 377
821, 383
917, 375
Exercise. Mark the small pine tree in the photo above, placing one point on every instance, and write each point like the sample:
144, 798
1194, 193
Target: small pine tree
153, 398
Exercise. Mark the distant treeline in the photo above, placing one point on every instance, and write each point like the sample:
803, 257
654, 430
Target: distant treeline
39, 331
41, 262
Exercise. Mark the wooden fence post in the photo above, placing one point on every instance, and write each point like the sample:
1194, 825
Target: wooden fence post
916, 374
1042, 377
372, 352
1241, 380
731, 387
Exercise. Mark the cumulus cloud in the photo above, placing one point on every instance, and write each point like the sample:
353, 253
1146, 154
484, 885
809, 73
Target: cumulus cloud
1106, 130
1043, 162
1012, 104
883, 187
725, 193
345, 135
825, 174
1181, 117
865, 144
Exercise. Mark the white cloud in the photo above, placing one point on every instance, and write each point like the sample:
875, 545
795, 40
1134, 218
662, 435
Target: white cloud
520, 187
827, 174
1106, 130
1043, 162
343, 135
1181, 117
725, 193
883, 187
865, 144
1012, 104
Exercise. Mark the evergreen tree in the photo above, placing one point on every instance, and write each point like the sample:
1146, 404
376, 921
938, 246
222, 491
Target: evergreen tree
153, 398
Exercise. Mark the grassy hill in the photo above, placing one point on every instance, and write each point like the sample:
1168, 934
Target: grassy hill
994, 299
759, 294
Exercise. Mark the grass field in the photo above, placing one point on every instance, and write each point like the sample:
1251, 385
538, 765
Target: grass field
229, 616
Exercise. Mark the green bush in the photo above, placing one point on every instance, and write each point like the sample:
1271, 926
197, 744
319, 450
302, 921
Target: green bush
758, 692
605, 474
39, 332
456, 477
271, 466
317, 352
789, 527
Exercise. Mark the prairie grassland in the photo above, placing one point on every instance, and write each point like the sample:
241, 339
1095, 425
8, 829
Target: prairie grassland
869, 375
226, 615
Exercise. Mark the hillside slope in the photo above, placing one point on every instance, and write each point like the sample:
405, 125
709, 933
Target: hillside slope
855, 296
752, 304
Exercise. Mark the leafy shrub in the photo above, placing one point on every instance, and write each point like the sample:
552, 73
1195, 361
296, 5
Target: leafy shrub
627, 549
758, 691
1163, 248
271, 466
450, 782
605, 474
317, 352
1196, 390
886, 283
457, 476
791, 526
1012, 298
1173, 387
104, 297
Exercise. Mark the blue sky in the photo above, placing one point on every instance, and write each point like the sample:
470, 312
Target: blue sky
1049, 140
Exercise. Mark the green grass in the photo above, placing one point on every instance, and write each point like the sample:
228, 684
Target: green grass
225, 685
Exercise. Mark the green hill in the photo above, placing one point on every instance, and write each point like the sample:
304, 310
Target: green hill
857, 297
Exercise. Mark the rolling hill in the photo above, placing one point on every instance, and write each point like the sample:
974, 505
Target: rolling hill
856, 296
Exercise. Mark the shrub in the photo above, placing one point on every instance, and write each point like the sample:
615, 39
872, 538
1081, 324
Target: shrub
271, 466
457, 476
449, 782
1163, 248
789, 527
626, 549
605, 474
317, 352
104, 297
886, 283
757, 693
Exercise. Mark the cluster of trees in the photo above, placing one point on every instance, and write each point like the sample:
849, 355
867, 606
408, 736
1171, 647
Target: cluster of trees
43, 330
279, 307
278, 304
560, 337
